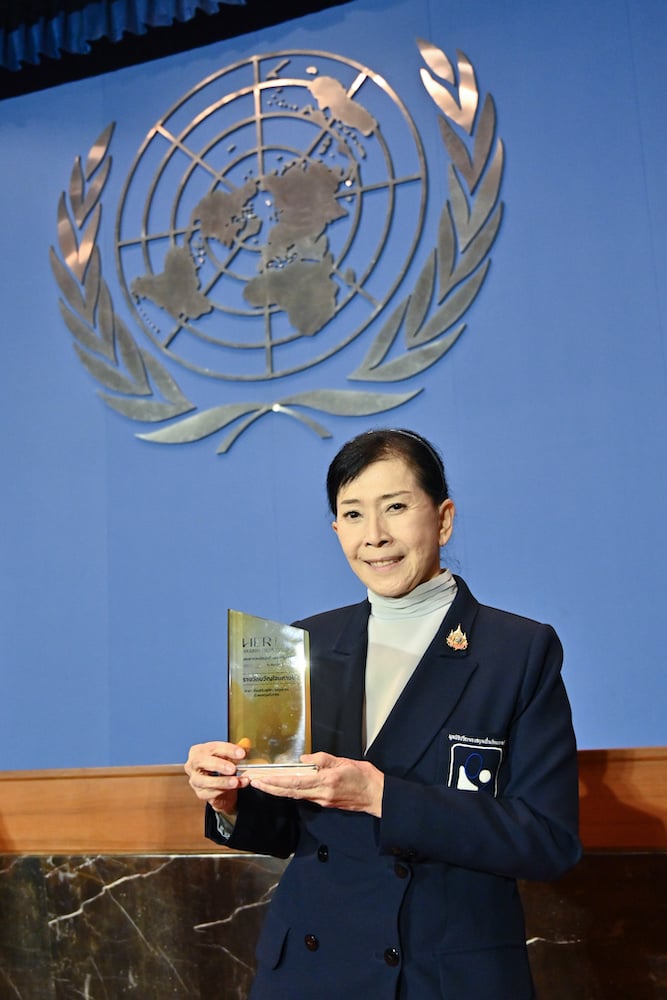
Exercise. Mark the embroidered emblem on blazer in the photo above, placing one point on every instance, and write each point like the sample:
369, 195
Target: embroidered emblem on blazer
474, 767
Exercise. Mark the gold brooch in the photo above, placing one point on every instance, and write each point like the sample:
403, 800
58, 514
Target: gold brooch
457, 639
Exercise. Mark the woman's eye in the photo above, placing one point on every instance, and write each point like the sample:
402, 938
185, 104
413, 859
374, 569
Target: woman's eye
397, 506
351, 515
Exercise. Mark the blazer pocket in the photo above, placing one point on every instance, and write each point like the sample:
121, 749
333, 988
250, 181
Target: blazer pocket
272, 941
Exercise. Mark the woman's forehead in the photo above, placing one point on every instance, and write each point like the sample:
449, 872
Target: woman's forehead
386, 475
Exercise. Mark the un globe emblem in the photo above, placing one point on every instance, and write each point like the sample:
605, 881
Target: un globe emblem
268, 220
268, 217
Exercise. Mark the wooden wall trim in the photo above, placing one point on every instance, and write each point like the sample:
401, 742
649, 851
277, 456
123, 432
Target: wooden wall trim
623, 799
151, 810
106, 810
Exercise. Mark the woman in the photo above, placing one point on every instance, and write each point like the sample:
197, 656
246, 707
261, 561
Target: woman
446, 766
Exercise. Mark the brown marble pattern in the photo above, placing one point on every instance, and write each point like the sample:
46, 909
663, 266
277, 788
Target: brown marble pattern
157, 927
600, 933
104, 928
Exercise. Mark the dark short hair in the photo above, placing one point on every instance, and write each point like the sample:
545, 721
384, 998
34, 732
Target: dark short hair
373, 446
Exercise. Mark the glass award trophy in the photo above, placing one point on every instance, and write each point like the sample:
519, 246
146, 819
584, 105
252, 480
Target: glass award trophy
269, 692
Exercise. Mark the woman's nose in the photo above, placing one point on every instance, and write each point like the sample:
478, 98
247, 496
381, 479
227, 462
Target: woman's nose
376, 532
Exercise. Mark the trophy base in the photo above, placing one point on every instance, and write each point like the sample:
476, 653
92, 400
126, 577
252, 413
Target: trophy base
259, 769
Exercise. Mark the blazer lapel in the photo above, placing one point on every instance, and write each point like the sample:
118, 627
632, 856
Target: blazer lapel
432, 692
338, 688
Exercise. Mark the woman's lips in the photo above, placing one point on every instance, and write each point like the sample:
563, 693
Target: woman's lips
383, 563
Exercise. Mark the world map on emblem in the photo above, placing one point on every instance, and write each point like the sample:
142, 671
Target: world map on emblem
268, 218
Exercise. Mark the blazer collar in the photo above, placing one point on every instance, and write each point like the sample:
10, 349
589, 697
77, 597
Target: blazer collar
432, 692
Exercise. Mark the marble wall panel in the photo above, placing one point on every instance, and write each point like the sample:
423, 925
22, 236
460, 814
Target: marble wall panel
184, 927
600, 933
105, 928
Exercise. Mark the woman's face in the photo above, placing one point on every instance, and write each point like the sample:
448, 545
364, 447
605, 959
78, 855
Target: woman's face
390, 529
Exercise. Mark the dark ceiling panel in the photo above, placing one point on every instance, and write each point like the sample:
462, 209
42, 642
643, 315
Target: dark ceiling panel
105, 56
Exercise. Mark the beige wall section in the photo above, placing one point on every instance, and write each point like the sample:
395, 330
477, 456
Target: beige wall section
149, 810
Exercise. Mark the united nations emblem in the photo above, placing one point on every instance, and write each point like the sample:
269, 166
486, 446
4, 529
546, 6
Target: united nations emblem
269, 221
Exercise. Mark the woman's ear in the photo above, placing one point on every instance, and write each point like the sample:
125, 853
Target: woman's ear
446, 512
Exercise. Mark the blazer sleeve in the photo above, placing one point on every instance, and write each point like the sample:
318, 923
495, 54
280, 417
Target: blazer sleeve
529, 830
264, 825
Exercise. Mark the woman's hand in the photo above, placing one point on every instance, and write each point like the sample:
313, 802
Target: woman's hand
338, 783
211, 768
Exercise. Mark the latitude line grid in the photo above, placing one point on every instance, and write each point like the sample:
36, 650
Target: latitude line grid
357, 192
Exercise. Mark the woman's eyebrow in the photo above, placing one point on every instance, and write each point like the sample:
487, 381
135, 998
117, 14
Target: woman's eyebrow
385, 496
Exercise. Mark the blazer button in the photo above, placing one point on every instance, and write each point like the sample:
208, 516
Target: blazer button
402, 871
323, 853
311, 942
391, 957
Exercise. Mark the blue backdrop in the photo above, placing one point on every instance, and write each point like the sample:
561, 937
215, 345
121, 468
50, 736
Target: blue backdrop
120, 557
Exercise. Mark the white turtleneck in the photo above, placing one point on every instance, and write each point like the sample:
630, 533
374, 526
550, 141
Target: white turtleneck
400, 630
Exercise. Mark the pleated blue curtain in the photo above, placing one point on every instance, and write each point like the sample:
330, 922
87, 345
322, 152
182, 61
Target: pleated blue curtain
51, 34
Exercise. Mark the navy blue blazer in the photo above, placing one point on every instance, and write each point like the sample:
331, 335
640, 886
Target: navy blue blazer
480, 767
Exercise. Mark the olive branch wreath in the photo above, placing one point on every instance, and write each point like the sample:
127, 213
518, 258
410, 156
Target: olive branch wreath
141, 388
